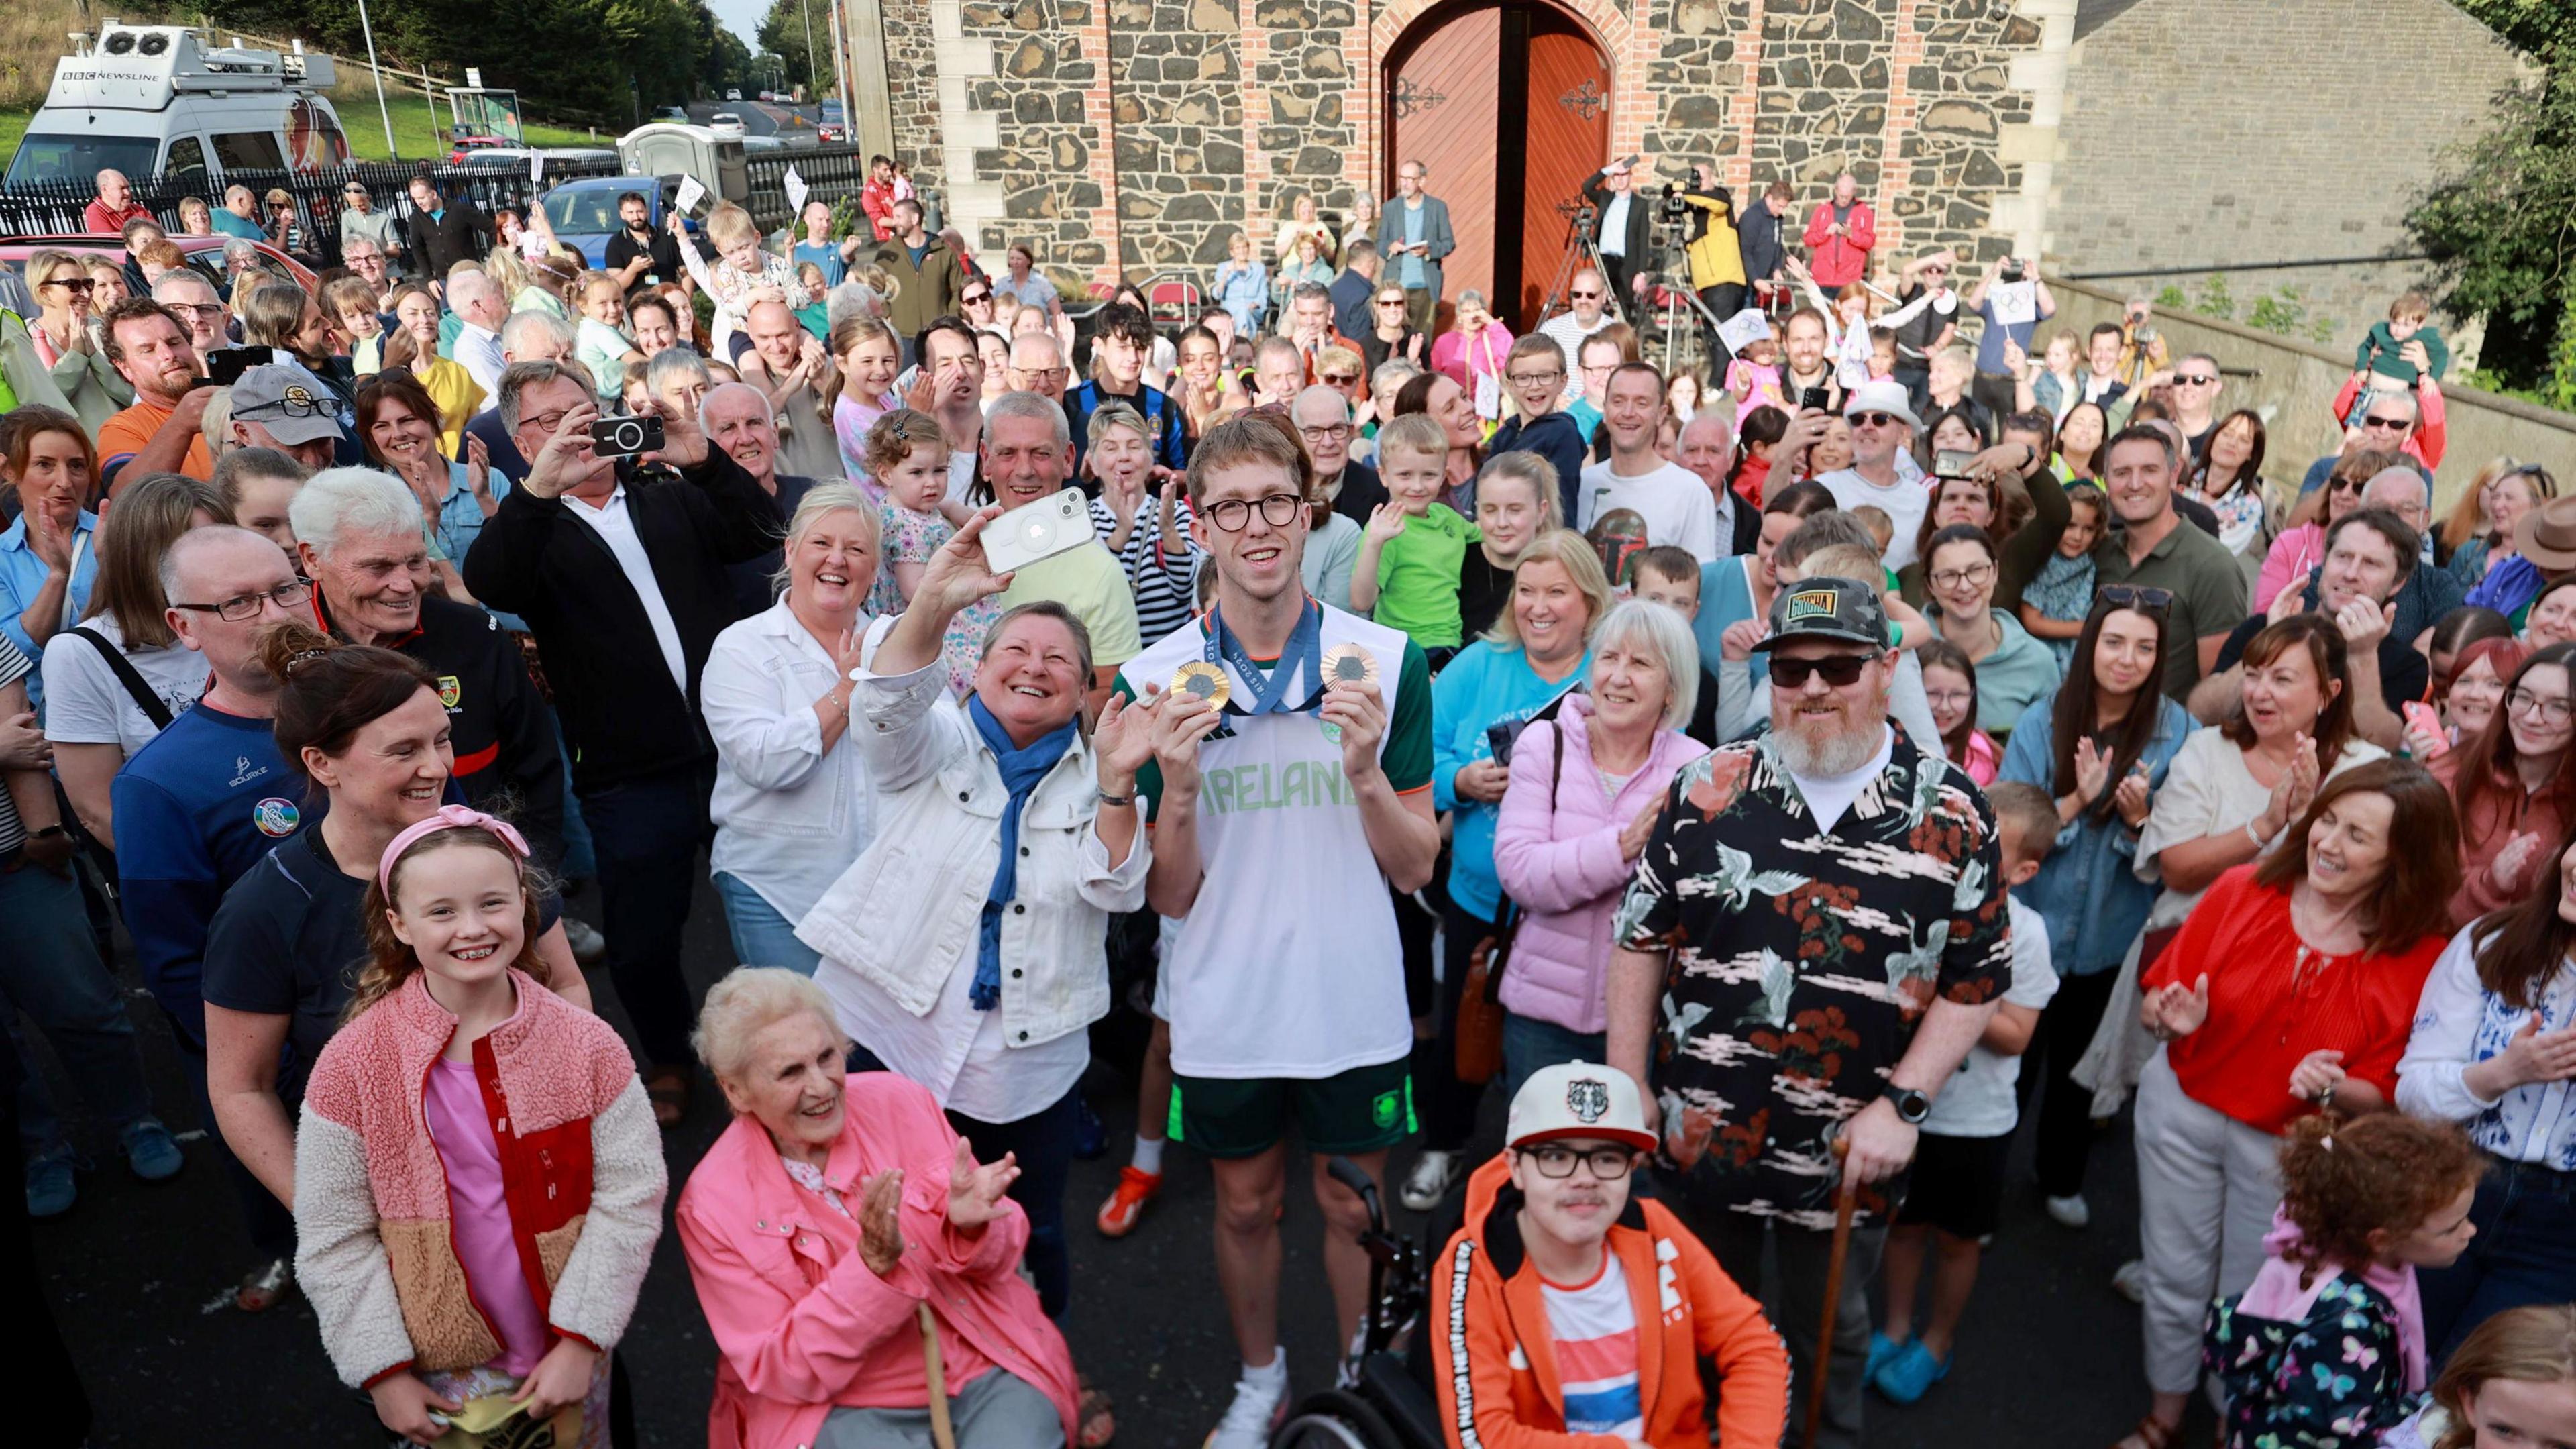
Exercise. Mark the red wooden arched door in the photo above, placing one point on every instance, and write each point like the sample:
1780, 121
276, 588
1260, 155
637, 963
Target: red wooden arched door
1508, 105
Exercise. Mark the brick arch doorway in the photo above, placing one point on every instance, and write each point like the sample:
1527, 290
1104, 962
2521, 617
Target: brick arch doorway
1507, 102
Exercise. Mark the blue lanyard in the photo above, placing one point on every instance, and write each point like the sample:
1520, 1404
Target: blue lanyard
1303, 654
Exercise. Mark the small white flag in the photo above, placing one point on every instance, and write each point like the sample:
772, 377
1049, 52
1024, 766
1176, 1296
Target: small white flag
1744, 329
692, 191
795, 185
536, 166
2013, 302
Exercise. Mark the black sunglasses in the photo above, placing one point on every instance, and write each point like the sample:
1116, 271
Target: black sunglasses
1875, 420
2194, 379
972, 298
2394, 425
1839, 670
2338, 483
2137, 596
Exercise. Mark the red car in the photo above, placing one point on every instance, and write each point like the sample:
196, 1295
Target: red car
465, 144
205, 253
830, 132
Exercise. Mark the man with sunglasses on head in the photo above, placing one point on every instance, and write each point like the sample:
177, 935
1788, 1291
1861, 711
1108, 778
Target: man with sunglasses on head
1814, 938
2186, 572
1282, 814
1560, 1263
281, 405
1586, 293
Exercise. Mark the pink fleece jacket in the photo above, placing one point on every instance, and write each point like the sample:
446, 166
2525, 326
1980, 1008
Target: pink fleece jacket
799, 1321
1560, 860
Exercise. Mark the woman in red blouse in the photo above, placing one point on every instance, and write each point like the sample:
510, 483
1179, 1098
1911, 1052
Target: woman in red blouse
2292, 986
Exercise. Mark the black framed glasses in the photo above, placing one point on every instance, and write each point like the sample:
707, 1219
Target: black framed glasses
73, 284
1329, 432
1840, 671
2553, 709
1972, 574
1608, 1164
2144, 597
285, 407
1234, 514
289, 595
975, 298
1582, 296
1534, 379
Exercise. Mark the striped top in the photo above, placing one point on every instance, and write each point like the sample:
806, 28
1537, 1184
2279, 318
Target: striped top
1162, 573
1594, 1328
14, 666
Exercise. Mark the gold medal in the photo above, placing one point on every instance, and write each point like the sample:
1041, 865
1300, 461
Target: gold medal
1349, 664
1199, 679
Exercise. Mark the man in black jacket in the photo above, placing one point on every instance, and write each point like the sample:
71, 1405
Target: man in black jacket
1623, 227
441, 233
358, 538
1323, 419
620, 572
1759, 231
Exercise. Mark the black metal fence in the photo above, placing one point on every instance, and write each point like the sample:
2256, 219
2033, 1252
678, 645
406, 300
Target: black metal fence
54, 208
829, 173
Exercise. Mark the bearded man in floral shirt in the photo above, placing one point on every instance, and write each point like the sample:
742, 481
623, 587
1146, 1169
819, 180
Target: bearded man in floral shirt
1816, 935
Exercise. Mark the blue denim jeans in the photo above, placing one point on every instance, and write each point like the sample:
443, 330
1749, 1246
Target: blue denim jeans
50, 969
761, 936
1530, 1044
2525, 1252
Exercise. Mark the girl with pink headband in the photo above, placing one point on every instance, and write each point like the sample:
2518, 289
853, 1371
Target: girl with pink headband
536, 1188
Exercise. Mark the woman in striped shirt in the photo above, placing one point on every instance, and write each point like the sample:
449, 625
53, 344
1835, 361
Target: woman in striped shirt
1141, 517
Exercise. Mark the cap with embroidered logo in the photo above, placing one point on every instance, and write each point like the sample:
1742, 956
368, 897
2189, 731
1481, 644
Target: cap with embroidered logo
1578, 1099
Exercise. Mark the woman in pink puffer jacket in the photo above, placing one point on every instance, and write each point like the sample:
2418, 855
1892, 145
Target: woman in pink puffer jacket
1573, 822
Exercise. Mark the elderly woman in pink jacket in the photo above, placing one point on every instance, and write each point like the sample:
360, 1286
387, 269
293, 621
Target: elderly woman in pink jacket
1585, 789
845, 1241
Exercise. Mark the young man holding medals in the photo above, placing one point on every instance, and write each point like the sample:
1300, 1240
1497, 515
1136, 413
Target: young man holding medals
1291, 785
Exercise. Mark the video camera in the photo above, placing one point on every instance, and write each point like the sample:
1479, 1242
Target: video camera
1674, 208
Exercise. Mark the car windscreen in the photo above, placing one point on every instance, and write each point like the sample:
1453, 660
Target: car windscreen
50, 156
591, 211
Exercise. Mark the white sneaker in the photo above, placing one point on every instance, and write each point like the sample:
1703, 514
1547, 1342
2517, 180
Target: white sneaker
2071, 1212
2131, 1281
1429, 1181
1260, 1406
1347, 1375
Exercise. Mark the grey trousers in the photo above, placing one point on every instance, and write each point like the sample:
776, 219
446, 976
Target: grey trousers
1796, 1303
996, 1411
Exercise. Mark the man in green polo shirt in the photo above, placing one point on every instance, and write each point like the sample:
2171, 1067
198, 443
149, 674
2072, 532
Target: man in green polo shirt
2154, 548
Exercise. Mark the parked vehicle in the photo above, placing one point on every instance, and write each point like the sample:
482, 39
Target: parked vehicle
733, 93
584, 213
163, 100
725, 123
205, 253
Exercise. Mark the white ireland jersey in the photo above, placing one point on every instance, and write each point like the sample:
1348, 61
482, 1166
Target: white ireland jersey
1289, 964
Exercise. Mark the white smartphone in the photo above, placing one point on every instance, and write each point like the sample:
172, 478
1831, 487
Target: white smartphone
1057, 523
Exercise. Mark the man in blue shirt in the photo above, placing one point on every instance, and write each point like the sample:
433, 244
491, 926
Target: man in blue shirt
239, 215
1123, 337
1994, 384
197, 807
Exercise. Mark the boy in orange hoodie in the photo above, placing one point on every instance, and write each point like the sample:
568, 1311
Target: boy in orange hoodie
1568, 1314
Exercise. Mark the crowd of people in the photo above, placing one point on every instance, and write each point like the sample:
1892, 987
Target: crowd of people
1783, 776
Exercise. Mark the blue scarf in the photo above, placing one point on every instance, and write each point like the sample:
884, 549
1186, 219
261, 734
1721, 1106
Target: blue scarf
1021, 769
2508, 586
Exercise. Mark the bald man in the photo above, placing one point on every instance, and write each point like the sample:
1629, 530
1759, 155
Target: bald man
797, 374
109, 211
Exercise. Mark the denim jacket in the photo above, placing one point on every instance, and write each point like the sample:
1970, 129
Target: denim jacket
2088, 889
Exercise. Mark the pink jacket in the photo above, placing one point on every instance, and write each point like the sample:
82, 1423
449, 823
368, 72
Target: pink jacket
1561, 862
2292, 555
794, 1320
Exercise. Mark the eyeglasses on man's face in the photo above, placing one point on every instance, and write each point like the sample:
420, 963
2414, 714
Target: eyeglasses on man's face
1534, 379
1608, 1164
1328, 433
244, 607
1235, 514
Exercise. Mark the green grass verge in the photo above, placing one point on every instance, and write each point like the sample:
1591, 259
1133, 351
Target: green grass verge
413, 130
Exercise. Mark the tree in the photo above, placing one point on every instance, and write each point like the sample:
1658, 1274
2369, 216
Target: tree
782, 33
2496, 223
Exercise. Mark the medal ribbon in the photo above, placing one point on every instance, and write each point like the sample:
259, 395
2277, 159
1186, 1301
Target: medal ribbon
1304, 654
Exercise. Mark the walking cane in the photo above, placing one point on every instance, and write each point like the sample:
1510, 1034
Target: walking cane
1843, 1204
944, 1434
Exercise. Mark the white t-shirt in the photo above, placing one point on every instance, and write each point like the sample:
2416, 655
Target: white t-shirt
85, 704
1592, 1330
1904, 504
1978, 1102
1288, 964
1828, 796
1674, 502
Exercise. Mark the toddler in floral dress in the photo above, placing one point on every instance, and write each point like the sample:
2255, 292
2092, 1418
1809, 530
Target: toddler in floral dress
907, 454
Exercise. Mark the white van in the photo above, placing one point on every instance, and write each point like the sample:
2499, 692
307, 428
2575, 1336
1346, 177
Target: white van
163, 100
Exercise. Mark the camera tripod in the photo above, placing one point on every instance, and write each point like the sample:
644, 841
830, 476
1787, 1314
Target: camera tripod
1674, 277
1581, 252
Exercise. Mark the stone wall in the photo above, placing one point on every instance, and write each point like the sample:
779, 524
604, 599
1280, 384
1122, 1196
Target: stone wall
2310, 127
1176, 96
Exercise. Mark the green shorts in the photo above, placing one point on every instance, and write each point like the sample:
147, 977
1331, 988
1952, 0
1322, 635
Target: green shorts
1365, 1109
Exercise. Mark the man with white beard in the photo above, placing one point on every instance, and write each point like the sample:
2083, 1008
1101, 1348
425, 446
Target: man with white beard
1815, 937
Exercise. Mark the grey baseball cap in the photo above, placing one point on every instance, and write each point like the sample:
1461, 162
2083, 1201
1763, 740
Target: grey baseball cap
288, 401
1845, 610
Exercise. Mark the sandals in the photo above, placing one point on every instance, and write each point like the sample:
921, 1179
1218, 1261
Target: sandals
668, 1090
1095, 1414
2150, 1433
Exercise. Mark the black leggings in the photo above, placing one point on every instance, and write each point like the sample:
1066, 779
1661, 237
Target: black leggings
2065, 1132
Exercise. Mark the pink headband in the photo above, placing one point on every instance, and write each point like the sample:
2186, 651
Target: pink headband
449, 817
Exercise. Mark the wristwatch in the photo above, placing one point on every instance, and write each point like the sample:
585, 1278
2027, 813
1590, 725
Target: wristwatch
43, 832
1911, 1106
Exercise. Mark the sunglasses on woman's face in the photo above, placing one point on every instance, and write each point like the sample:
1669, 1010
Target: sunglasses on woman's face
2341, 484
73, 284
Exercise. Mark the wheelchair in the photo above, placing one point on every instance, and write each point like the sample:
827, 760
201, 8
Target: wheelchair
1391, 1404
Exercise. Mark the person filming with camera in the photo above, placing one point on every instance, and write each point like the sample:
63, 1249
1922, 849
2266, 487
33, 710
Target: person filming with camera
1705, 209
1558, 1265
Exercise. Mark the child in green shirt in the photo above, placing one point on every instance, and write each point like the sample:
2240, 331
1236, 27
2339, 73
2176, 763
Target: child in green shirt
1407, 575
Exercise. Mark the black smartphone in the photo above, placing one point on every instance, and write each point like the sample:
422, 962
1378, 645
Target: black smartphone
1815, 397
626, 437
225, 365
1500, 738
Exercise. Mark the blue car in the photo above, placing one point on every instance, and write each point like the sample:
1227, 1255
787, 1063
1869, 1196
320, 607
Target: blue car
584, 212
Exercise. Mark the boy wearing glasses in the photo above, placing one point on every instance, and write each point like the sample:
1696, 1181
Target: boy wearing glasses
1534, 372
1566, 1306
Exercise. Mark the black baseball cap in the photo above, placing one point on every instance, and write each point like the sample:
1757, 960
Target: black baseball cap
1845, 610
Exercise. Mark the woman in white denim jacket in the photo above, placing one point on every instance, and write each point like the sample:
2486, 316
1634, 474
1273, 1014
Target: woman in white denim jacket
792, 805
966, 948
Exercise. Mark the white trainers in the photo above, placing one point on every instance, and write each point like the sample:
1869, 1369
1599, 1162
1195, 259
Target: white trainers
1260, 1406
2071, 1211
1429, 1181
2131, 1281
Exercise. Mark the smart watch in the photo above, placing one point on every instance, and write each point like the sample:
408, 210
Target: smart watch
1911, 1106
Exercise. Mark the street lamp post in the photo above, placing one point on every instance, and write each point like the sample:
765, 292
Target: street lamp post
813, 82
382, 109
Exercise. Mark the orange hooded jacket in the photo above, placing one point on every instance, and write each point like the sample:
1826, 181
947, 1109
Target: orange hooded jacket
1496, 1363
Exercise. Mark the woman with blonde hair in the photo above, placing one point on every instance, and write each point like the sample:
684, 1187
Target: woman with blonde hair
64, 345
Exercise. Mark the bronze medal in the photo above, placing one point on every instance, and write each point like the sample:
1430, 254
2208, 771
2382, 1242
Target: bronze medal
1349, 664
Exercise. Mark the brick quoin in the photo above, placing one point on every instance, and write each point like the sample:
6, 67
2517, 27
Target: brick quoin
1745, 112
1098, 112
1894, 171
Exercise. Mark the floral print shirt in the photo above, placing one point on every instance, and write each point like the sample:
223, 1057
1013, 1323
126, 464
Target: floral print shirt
2330, 1381
1801, 962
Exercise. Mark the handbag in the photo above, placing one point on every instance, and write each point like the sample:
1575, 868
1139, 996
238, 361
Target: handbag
1480, 997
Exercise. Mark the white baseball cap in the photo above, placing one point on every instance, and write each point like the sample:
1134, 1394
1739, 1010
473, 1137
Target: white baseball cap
1578, 1099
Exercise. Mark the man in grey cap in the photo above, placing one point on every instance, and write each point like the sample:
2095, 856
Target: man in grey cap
1814, 939
280, 405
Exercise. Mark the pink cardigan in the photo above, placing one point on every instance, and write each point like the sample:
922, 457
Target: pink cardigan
1562, 864
793, 1319
2292, 555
